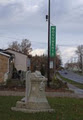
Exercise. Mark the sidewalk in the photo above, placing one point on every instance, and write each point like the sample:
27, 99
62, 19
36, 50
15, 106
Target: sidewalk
48, 94
77, 91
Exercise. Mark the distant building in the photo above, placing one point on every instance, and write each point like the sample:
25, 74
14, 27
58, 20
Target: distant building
72, 66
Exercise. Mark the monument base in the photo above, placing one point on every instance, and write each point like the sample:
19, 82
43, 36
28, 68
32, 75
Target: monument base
23, 107
31, 111
35, 99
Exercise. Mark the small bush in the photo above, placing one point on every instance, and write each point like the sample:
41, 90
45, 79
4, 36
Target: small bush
13, 83
8, 82
56, 83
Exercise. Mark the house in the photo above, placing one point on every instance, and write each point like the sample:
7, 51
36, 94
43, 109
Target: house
4, 67
72, 66
10, 59
21, 61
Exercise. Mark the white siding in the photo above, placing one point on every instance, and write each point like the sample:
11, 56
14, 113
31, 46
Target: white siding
20, 60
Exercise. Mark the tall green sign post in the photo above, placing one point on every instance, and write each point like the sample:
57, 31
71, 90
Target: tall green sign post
53, 41
53, 48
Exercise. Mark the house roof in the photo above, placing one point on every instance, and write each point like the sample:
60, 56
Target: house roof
15, 51
29, 56
4, 54
1, 50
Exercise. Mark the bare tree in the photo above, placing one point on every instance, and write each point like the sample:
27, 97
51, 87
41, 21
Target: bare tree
15, 46
79, 53
24, 46
58, 58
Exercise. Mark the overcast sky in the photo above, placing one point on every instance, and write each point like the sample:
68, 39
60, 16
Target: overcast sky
21, 19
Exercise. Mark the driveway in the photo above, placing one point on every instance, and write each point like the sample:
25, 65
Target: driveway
73, 76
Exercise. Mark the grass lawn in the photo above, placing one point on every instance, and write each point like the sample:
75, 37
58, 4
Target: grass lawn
65, 109
79, 85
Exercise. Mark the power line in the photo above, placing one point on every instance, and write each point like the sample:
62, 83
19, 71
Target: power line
21, 39
52, 24
63, 45
10, 38
43, 43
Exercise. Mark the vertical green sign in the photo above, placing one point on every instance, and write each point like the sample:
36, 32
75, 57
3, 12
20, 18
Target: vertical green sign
53, 41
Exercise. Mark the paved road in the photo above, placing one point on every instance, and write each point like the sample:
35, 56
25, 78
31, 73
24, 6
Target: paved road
73, 76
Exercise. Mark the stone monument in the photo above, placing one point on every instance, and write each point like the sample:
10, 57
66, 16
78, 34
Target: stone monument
35, 98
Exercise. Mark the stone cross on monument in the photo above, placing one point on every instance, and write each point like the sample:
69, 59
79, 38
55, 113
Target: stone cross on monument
35, 98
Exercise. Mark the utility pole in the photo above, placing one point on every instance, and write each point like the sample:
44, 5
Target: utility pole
48, 82
48, 19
